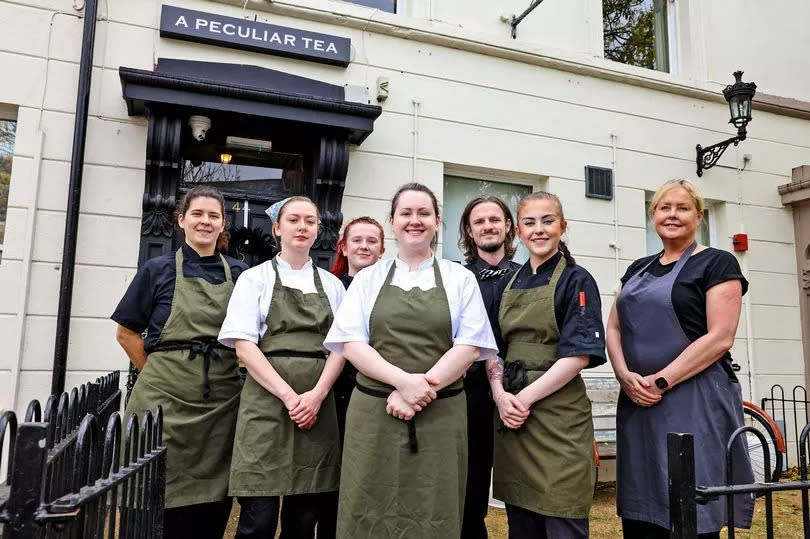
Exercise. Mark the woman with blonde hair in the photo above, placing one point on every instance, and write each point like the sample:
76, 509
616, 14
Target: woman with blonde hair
287, 441
669, 334
550, 323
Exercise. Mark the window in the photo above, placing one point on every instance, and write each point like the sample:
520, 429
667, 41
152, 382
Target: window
636, 32
383, 5
705, 232
457, 192
8, 130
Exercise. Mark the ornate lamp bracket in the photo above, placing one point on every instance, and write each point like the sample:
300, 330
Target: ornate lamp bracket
514, 20
707, 157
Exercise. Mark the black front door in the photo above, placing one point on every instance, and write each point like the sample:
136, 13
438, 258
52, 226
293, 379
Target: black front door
248, 190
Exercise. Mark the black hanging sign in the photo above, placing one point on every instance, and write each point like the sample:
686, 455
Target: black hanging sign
214, 29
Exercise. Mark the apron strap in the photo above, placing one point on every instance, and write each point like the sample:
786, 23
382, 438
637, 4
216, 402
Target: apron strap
318, 287
413, 443
678, 265
178, 260
206, 349
227, 268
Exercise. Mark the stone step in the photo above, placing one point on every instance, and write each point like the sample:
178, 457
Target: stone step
603, 395
600, 382
604, 423
603, 409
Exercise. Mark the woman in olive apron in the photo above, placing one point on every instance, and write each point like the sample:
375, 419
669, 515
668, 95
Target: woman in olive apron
180, 300
361, 245
551, 325
669, 335
411, 326
287, 441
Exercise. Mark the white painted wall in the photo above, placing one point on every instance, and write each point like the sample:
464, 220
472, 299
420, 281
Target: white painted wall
478, 112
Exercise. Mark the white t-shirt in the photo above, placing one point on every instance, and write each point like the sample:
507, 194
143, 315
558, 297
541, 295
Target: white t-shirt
470, 324
253, 294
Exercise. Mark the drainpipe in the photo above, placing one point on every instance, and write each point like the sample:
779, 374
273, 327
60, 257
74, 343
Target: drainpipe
415, 102
74, 199
615, 243
25, 285
749, 324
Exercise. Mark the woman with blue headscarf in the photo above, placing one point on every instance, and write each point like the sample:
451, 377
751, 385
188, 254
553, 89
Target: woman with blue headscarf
287, 441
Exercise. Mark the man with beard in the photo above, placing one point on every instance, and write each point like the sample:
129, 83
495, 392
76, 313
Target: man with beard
487, 235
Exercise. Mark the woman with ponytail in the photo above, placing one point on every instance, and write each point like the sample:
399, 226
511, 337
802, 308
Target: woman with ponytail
550, 322
177, 301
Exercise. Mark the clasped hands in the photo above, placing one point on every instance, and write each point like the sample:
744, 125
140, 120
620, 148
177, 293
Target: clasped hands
640, 389
413, 393
513, 408
303, 408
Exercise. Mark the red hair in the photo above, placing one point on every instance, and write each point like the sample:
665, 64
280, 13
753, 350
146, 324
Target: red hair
341, 265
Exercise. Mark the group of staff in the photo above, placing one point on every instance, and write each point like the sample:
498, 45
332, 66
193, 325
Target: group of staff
455, 373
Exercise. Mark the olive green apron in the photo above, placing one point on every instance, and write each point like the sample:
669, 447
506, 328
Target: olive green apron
197, 383
547, 466
391, 486
271, 455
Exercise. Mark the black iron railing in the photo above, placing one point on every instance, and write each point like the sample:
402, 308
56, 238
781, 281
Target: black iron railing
71, 473
789, 413
685, 495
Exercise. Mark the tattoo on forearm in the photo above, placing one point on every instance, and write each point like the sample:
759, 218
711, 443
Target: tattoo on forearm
495, 372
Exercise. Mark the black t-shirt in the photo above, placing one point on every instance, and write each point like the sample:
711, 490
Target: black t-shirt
346, 280
582, 332
148, 300
701, 271
491, 292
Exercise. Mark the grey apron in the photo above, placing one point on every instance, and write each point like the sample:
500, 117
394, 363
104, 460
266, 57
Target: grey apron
197, 383
271, 455
393, 486
709, 405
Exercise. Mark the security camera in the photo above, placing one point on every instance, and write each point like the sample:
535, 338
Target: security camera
199, 126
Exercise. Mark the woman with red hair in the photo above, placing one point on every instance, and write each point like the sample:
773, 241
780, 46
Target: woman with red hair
360, 246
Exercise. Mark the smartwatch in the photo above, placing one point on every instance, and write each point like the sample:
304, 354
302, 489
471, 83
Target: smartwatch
661, 383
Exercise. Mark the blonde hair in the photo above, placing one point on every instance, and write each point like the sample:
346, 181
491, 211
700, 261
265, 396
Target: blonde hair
689, 187
544, 195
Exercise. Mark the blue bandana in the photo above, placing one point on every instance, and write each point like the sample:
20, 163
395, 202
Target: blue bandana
273, 210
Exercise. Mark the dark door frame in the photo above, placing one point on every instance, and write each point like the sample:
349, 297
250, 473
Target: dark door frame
179, 89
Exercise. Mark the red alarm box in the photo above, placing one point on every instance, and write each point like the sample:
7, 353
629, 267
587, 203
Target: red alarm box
740, 242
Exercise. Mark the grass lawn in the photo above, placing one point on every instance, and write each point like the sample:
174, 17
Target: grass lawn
787, 508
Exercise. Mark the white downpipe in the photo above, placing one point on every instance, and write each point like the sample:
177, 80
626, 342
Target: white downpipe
30, 227
749, 336
749, 324
25, 284
615, 244
415, 133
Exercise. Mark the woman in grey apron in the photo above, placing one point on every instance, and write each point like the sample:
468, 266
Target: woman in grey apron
551, 327
287, 441
411, 325
669, 336
180, 300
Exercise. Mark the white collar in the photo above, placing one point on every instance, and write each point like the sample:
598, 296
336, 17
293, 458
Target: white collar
286, 265
424, 264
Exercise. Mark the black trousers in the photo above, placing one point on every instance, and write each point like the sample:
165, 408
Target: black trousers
300, 513
525, 524
638, 529
198, 521
480, 410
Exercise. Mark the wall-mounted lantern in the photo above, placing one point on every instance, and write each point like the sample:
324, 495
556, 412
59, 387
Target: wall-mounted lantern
739, 96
